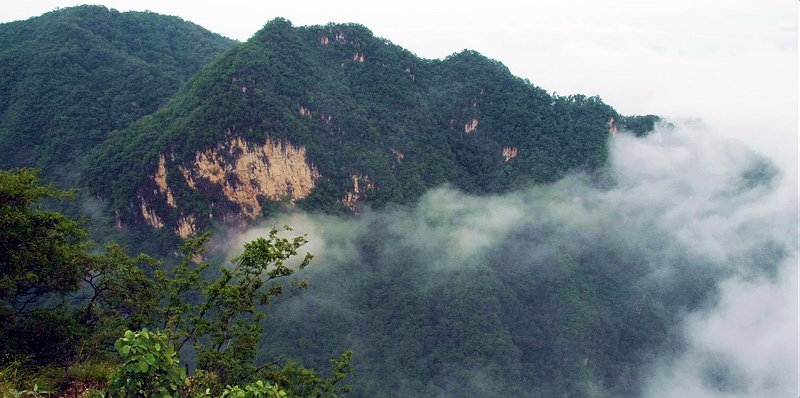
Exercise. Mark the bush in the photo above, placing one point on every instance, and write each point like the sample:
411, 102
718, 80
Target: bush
150, 367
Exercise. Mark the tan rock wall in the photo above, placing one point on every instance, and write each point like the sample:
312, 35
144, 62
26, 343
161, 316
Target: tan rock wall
160, 177
361, 184
471, 126
246, 172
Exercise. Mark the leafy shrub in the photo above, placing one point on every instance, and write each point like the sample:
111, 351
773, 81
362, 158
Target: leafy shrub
150, 367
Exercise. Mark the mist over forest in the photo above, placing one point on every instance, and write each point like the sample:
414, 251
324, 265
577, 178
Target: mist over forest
670, 274
473, 234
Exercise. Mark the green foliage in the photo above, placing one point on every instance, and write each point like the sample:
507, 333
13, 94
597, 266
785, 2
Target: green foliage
639, 125
72, 76
118, 294
42, 251
304, 382
257, 389
221, 317
394, 117
61, 305
150, 366
42, 258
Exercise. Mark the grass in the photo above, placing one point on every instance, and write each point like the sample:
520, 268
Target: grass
18, 378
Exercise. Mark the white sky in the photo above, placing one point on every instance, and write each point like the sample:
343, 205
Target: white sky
732, 63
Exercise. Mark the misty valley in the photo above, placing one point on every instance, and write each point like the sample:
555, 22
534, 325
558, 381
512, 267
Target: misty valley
451, 230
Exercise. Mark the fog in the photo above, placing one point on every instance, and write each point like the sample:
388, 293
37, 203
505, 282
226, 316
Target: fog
703, 227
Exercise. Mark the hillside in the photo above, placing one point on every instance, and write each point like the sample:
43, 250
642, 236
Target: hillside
329, 118
473, 234
71, 76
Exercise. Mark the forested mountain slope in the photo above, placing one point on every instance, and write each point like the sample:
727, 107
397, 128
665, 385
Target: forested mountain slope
508, 241
69, 77
328, 118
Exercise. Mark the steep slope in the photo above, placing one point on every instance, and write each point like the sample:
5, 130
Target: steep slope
70, 76
331, 117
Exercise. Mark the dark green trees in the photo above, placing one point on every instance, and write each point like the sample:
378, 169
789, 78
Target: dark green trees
42, 253
61, 299
62, 302
58, 299
71, 76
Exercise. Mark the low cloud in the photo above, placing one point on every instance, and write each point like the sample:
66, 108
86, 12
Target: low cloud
702, 229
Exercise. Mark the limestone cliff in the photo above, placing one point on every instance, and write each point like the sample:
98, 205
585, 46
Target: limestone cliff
246, 173
160, 178
149, 214
185, 226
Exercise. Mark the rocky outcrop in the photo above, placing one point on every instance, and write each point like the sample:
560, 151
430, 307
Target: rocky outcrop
247, 173
150, 217
358, 193
510, 152
397, 154
185, 226
612, 126
244, 173
160, 178
471, 126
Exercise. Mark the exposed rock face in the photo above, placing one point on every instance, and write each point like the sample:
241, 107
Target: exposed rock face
149, 214
510, 152
397, 154
245, 174
160, 177
361, 184
186, 226
277, 170
612, 126
471, 126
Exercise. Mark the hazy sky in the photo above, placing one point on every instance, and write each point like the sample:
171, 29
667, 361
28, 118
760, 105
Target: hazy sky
732, 63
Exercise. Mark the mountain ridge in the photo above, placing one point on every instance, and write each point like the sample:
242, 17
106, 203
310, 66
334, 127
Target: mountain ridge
378, 124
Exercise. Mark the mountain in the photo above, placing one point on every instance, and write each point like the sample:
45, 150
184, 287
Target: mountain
330, 118
497, 251
71, 76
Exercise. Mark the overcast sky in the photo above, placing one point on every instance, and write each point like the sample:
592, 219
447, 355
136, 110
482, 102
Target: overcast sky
732, 64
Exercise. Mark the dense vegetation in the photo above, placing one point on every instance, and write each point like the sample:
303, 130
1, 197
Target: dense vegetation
62, 304
71, 76
371, 109
93, 97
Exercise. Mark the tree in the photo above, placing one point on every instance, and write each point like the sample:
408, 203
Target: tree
61, 303
220, 318
42, 258
41, 252
150, 367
